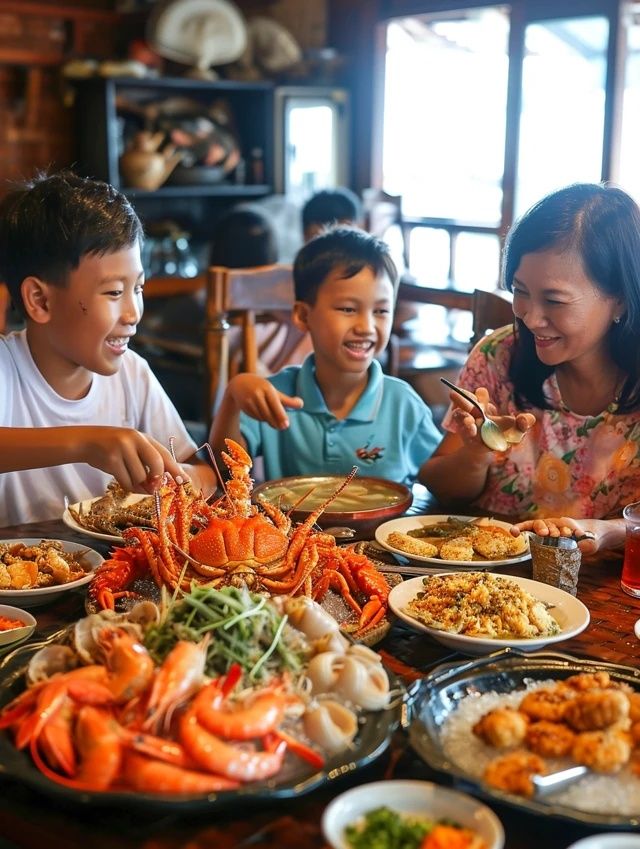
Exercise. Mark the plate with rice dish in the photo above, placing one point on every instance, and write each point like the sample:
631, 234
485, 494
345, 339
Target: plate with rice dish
463, 542
480, 612
495, 722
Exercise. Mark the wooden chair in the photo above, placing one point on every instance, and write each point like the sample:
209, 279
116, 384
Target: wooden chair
383, 211
490, 311
259, 302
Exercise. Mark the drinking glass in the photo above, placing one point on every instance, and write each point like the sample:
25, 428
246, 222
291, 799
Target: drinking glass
630, 580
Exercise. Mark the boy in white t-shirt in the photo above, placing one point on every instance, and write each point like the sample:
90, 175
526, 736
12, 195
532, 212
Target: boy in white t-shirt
76, 406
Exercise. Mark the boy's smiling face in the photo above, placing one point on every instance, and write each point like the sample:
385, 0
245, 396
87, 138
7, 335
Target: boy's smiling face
350, 321
85, 326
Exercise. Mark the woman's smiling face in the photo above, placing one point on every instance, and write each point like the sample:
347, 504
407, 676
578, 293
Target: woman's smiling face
568, 315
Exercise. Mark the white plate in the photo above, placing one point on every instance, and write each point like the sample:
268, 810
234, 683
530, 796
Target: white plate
570, 613
43, 595
610, 840
70, 522
410, 523
14, 635
420, 798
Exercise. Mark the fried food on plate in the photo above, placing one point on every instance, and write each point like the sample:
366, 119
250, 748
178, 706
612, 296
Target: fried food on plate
458, 539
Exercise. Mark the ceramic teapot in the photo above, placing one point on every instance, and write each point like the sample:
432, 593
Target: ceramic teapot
143, 165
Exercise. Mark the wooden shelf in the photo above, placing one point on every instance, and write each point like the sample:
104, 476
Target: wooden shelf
216, 190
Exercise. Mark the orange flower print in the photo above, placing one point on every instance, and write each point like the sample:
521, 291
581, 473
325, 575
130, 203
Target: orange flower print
624, 456
552, 474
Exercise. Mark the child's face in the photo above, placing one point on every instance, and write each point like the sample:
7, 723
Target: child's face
350, 321
92, 318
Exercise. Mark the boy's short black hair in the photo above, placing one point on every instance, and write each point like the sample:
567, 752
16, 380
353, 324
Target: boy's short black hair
48, 225
340, 247
331, 206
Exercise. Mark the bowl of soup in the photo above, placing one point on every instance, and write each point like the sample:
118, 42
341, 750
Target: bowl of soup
362, 505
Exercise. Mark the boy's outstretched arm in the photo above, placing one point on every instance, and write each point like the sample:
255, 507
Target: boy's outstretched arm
135, 460
258, 398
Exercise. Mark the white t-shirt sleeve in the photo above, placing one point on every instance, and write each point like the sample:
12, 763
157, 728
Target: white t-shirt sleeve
154, 413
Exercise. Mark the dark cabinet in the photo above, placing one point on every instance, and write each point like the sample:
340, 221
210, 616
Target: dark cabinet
110, 111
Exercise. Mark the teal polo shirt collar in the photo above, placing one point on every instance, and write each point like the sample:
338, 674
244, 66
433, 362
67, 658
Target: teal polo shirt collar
367, 406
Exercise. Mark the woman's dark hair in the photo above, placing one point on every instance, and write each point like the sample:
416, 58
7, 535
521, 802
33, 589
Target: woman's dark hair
243, 238
346, 248
50, 223
601, 225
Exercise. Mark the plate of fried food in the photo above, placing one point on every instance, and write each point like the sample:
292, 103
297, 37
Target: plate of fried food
498, 723
34, 571
461, 541
480, 612
106, 516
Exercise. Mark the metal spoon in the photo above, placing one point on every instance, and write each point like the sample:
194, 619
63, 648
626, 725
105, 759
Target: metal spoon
490, 433
546, 784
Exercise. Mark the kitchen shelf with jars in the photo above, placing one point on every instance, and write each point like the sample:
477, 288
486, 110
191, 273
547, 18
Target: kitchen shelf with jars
165, 139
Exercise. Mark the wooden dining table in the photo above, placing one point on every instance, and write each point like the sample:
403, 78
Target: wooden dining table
32, 820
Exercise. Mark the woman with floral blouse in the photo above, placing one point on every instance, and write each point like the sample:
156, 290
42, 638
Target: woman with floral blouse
567, 374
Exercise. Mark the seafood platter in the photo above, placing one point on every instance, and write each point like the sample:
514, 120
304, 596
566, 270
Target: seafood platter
236, 542
106, 516
208, 700
497, 723
481, 612
445, 542
361, 506
35, 571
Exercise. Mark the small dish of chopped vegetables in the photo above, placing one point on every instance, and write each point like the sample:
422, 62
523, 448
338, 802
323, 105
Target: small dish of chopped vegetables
15, 624
409, 815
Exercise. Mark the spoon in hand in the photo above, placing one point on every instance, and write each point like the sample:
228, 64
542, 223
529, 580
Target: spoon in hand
490, 433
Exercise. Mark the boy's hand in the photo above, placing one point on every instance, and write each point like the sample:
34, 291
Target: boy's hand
467, 420
135, 460
258, 398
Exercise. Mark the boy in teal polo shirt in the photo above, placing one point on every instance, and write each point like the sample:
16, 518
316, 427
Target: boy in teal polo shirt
338, 409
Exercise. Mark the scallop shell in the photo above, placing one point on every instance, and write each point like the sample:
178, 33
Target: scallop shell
50, 660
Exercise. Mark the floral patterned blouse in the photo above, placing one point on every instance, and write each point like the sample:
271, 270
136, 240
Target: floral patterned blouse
586, 467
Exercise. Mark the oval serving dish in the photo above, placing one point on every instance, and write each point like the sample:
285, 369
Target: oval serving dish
362, 505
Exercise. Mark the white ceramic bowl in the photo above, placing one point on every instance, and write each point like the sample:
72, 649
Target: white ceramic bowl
420, 798
570, 613
14, 635
610, 840
35, 596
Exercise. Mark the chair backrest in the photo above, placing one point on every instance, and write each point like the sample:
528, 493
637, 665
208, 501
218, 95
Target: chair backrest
246, 298
381, 212
490, 311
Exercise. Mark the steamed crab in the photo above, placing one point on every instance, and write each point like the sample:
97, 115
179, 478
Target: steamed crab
234, 541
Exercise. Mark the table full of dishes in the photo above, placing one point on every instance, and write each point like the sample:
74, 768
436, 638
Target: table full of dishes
433, 679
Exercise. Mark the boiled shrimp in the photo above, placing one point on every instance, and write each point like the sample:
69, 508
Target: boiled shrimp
150, 776
179, 677
216, 755
130, 665
240, 720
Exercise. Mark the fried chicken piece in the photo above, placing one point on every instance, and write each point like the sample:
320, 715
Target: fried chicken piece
602, 751
588, 681
458, 548
596, 709
502, 727
412, 545
549, 739
634, 733
546, 703
513, 772
634, 707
